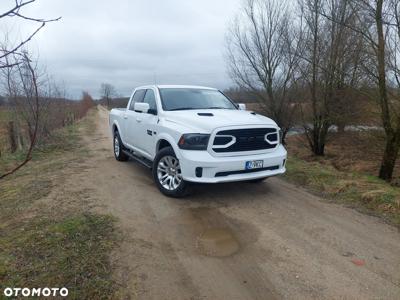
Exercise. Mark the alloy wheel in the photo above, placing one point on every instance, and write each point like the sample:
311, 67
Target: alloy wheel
116, 146
169, 172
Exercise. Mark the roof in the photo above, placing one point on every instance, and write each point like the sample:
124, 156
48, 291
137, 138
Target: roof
177, 87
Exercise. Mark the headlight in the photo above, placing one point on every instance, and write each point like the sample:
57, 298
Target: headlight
194, 141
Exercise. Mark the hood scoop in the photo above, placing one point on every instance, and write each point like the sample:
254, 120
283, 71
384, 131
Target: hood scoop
205, 114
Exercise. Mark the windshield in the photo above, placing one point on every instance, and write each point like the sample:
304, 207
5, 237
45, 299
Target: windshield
183, 99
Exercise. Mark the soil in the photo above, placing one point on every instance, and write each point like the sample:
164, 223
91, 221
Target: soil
236, 241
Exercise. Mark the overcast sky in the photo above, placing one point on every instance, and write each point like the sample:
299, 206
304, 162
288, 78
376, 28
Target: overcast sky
129, 42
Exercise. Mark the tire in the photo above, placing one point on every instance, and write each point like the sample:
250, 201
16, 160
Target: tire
166, 166
118, 147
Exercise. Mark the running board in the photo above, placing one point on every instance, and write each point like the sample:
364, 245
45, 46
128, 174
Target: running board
147, 163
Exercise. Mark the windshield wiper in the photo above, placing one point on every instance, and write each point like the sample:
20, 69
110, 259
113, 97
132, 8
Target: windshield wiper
182, 108
191, 108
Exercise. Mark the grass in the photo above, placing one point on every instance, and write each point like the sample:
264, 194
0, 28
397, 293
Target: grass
69, 252
367, 193
45, 241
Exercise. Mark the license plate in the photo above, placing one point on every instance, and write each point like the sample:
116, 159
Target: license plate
254, 164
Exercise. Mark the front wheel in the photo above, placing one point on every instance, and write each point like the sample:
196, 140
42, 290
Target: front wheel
168, 175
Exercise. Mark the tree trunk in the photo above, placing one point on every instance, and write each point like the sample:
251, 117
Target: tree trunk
319, 147
391, 150
341, 127
20, 140
11, 135
320, 131
284, 134
389, 157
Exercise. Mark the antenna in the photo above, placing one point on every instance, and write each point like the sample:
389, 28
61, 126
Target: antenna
155, 77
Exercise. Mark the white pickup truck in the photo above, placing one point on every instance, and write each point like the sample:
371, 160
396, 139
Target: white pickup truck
195, 134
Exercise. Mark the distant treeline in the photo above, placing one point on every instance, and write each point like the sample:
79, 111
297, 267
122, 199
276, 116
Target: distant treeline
114, 102
17, 122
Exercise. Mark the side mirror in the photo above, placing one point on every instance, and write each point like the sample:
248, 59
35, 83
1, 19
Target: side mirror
141, 107
242, 106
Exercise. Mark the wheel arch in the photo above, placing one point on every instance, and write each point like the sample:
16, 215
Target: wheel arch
115, 127
165, 140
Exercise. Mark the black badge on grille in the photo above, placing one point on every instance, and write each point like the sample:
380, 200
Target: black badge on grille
249, 139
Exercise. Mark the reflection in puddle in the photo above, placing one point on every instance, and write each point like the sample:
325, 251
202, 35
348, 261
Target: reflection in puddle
217, 242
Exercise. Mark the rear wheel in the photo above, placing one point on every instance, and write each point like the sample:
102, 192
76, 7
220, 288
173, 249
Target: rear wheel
118, 147
167, 174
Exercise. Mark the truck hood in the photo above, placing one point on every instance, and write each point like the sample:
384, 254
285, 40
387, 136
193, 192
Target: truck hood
193, 120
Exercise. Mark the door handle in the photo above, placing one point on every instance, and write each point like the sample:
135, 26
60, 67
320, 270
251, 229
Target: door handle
125, 117
138, 120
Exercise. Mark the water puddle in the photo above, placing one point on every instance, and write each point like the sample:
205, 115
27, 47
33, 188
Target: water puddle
217, 242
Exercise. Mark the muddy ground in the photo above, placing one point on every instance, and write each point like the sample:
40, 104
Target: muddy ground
237, 241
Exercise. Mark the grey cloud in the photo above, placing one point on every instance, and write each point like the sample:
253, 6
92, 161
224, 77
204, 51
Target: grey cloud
128, 43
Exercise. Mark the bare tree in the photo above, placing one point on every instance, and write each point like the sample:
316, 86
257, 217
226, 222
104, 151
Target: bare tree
107, 92
378, 24
329, 65
262, 56
29, 88
393, 60
15, 11
13, 56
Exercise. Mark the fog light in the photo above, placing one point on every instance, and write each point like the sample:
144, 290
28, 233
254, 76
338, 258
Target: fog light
199, 172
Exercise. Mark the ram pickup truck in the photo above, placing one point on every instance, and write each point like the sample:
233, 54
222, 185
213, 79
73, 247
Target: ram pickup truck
189, 134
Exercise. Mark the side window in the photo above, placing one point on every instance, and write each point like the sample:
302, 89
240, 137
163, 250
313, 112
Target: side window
150, 98
137, 97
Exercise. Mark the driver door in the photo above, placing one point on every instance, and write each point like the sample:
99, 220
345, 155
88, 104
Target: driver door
131, 121
147, 125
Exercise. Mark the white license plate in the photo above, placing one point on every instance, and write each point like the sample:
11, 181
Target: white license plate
254, 164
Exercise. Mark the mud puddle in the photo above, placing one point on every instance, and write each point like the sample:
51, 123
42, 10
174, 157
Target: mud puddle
218, 242
214, 234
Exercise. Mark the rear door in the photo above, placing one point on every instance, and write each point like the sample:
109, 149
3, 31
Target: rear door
131, 122
147, 125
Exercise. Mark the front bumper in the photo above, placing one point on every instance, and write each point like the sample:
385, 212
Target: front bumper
211, 165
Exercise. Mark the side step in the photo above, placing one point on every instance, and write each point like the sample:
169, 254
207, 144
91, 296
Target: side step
144, 161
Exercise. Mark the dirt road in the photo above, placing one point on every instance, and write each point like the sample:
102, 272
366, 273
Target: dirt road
238, 241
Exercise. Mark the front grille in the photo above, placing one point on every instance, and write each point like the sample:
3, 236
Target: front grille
221, 174
222, 140
246, 140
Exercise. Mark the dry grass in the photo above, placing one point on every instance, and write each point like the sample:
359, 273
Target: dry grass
349, 152
364, 192
54, 239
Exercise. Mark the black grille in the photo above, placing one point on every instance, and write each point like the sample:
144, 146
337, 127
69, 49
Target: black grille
247, 139
222, 140
273, 137
221, 174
